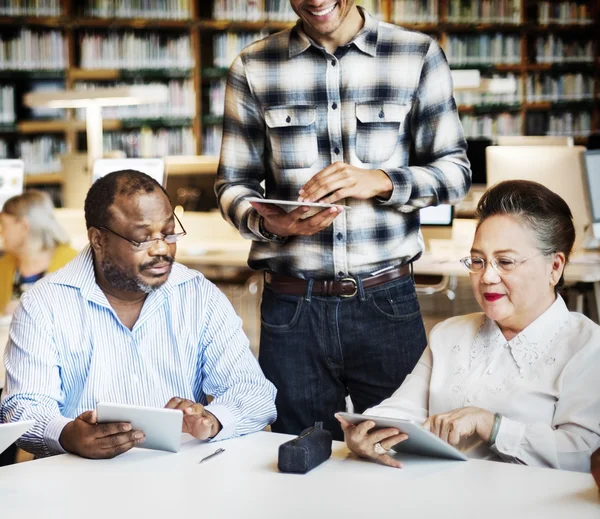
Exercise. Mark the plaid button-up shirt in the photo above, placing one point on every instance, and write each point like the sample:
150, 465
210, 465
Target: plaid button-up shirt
383, 101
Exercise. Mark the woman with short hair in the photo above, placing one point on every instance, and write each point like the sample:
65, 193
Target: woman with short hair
519, 382
34, 244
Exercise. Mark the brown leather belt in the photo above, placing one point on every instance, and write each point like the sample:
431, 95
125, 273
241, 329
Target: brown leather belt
345, 287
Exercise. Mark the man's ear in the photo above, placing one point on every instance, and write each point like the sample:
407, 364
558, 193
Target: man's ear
96, 237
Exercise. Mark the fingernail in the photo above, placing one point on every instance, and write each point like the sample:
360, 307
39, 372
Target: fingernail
301, 192
300, 199
305, 209
126, 427
141, 440
139, 435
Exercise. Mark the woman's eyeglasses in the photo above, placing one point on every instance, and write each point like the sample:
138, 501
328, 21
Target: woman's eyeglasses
501, 264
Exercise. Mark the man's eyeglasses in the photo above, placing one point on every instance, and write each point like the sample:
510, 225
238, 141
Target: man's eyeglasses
148, 244
501, 264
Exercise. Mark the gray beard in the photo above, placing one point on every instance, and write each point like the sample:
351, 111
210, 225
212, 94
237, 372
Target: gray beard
122, 280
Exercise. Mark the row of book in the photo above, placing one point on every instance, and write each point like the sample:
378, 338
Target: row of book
483, 49
415, 11
467, 98
564, 13
216, 97
181, 102
159, 9
253, 10
211, 139
30, 8
577, 124
7, 104
3, 149
33, 50
374, 7
130, 50
484, 11
567, 87
41, 154
227, 45
151, 143
555, 49
491, 125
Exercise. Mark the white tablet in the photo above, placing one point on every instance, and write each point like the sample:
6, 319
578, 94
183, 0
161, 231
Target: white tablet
420, 441
288, 205
162, 427
11, 432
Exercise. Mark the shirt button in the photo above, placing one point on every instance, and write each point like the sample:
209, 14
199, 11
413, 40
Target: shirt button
381, 115
339, 235
506, 345
336, 151
333, 63
334, 106
288, 119
489, 371
340, 273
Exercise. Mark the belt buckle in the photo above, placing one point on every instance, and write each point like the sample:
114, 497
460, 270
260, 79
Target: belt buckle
355, 287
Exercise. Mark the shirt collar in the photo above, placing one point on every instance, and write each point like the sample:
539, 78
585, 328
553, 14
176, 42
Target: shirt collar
79, 273
365, 40
533, 342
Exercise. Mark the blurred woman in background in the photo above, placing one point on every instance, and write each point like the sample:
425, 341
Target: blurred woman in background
34, 244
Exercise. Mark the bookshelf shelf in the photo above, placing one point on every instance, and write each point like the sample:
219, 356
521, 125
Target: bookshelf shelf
210, 54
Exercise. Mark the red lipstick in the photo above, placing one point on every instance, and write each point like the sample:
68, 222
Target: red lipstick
492, 296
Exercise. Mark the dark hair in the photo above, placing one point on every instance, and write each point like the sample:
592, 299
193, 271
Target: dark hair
103, 192
542, 210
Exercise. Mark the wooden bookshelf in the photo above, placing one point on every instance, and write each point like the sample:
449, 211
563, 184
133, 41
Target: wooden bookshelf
202, 28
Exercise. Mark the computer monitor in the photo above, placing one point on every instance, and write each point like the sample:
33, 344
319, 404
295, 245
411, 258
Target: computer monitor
439, 215
591, 178
11, 179
152, 167
559, 168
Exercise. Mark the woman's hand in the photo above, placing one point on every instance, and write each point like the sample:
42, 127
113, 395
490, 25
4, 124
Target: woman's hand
361, 441
461, 423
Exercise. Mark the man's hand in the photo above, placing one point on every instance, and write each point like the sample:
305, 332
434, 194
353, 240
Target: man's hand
341, 180
89, 439
461, 423
596, 467
361, 441
197, 421
282, 223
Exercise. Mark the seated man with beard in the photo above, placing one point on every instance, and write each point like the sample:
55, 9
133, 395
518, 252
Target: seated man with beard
124, 323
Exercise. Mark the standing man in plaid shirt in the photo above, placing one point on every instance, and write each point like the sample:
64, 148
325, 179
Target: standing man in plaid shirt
348, 110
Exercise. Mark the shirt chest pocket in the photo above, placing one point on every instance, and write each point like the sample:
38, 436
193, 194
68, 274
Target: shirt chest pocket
292, 135
377, 129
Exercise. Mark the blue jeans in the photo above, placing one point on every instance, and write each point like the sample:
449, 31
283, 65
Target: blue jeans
316, 350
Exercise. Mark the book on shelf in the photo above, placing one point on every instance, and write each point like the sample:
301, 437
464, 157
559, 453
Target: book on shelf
30, 8
216, 97
543, 87
132, 50
3, 149
415, 11
181, 101
484, 11
253, 10
227, 46
484, 49
7, 104
564, 13
33, 50
145, 9
556, 49
211, 140
41, 154
148, 142
491, 125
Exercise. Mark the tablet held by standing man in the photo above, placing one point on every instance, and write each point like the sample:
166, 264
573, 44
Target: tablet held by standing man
340, 109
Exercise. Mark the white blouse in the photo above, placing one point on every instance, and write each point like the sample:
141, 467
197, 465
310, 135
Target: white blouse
545, 382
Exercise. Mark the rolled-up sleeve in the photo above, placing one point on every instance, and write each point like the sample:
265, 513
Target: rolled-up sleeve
33, 386
244, 400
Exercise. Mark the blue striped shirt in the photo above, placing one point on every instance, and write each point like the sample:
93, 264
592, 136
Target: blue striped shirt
68, 350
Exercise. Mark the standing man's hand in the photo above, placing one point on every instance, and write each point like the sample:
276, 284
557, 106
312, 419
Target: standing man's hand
89, 439
197, 421
282, 223
461, 423
341, 180
596, 467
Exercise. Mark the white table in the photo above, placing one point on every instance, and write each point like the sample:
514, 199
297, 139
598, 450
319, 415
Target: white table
243, 482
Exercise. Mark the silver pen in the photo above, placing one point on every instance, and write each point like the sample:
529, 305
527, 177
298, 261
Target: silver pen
216, 453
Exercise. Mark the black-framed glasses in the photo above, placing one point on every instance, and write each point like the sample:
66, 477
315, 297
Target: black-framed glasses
501, 264
148, 244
